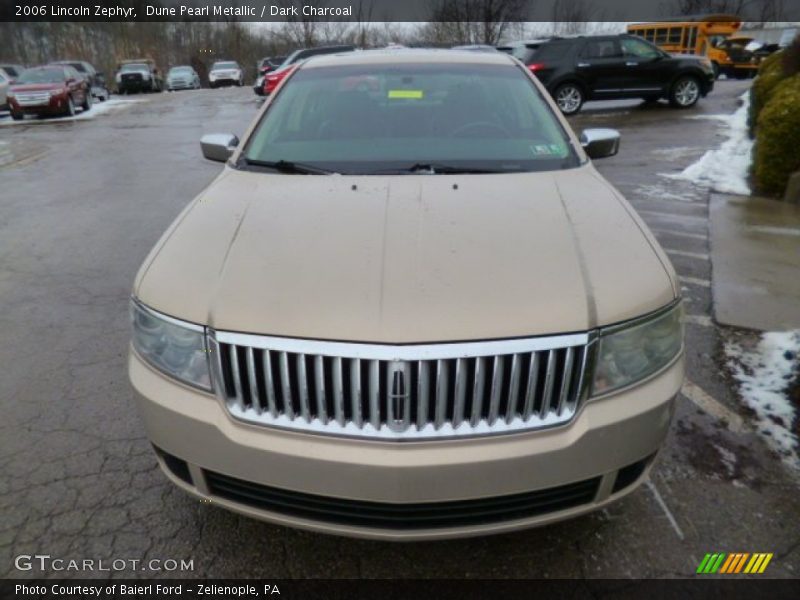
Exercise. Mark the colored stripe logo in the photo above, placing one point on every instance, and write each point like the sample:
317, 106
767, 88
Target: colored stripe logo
733, 563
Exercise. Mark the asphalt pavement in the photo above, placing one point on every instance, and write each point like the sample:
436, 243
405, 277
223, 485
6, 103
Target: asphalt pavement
81, 204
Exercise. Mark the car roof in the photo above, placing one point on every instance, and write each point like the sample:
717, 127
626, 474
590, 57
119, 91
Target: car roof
408, 55
527, 42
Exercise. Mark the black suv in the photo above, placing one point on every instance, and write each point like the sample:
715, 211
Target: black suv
607, 67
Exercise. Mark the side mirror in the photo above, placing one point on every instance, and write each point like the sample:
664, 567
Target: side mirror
600, 143
218, 146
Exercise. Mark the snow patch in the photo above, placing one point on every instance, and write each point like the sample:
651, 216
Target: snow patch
764, 377
661, 192
725, 168
676, 153
774, 230
728, 459
97, 109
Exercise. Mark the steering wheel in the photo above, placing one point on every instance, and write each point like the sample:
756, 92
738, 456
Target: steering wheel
459, 131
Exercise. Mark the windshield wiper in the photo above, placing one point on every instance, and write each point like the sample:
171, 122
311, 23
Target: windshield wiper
437, 169
286, 166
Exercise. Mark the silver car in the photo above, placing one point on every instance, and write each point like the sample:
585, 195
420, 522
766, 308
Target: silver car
182, 78
4, 84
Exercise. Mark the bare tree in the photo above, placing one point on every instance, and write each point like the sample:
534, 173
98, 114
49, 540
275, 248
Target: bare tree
769, 11
571, 17
473, 21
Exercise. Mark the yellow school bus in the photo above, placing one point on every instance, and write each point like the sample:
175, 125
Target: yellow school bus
704, 35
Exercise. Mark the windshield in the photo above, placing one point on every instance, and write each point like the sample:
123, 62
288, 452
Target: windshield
134, 67
180, 70
53, 75
225, 65
368, 119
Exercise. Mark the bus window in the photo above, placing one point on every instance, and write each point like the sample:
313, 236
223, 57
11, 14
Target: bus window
675, 35
691, 44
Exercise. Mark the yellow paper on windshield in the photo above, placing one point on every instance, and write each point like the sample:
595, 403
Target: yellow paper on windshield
413, 94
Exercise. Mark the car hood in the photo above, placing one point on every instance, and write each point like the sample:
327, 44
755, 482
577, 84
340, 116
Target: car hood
404, 259
36, 87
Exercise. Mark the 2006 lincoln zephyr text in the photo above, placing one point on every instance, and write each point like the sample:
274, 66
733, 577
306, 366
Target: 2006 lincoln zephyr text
408, 308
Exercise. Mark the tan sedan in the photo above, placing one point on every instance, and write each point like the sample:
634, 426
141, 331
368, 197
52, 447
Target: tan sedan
408, 308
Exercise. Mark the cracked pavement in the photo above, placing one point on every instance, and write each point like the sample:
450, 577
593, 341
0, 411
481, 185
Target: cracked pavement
81, 206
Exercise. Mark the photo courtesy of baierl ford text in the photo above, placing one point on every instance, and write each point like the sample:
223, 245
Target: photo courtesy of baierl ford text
433, 299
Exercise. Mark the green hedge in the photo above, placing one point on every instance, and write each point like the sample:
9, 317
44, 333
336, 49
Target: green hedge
776, 153
770, 74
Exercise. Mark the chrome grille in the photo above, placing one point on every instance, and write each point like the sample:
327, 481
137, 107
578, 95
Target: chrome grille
33, 98
402, 392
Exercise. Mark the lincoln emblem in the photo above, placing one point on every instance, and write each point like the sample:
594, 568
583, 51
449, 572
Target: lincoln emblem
399, 395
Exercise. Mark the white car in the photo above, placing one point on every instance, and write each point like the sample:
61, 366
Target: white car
226, 72
4, 83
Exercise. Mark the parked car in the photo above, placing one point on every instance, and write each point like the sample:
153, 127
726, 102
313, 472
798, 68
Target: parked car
5, 82
272, 79
225, 72
96, 79
49, 90
411, 312
139, 75
183, 78
13, 71
264, 66
270, 63
607, 67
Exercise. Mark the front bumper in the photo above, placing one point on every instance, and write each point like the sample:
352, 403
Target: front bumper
224, 81
55, 105
134, 85
180, 84
272, 474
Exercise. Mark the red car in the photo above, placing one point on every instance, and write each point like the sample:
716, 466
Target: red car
271, 80
49, 90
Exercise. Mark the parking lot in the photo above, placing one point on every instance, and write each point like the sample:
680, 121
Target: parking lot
84, 200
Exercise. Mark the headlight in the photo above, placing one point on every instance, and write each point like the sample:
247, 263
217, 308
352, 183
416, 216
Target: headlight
178, 349
118, 77
145, 76
631, 352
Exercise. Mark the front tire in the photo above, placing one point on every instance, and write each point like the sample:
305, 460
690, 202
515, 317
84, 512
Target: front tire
685, 92
17, 116
70, 112
87, 102
569, 98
